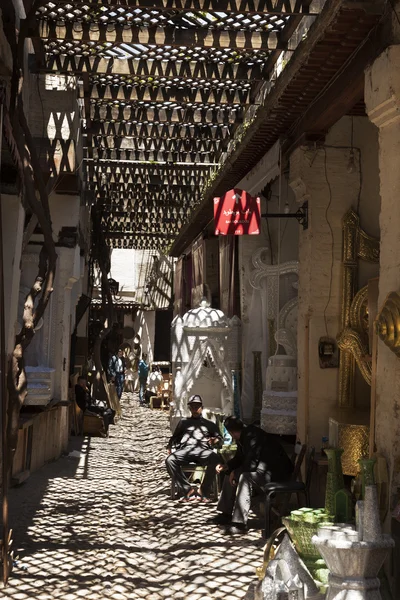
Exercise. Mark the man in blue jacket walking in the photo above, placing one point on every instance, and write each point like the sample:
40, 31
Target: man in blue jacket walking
116, 371
143, 372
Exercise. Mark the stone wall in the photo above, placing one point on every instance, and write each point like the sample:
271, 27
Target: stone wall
321, 176
382, 94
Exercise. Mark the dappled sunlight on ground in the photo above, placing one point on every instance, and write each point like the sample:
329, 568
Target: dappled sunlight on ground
101, 525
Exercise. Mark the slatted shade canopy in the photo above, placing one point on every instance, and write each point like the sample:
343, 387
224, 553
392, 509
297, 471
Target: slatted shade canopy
164, 85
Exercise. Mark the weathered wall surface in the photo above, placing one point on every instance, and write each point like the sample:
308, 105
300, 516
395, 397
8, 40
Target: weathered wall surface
382, 93
320, 175
138, 270
13, 227
5, 52
145, 326
280, 240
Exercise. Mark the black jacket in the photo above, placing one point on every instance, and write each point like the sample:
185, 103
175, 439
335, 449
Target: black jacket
82, 397
260, 451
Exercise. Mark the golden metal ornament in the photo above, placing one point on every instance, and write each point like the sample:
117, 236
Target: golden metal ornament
359, 311
388, 323
351, 341
354, 439
357, 245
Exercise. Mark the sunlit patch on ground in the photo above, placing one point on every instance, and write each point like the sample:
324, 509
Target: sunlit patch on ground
101, 525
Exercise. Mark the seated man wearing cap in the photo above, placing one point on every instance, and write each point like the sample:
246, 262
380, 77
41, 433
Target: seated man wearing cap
193, 440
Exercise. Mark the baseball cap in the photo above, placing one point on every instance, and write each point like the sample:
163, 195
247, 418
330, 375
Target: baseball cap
195, 399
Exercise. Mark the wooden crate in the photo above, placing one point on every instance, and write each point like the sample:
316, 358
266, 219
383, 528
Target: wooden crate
43, 437
93, 425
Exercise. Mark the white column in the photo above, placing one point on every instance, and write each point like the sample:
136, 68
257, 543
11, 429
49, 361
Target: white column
382, 97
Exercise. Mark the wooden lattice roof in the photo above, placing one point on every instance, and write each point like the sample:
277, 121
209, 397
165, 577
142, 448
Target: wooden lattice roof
164, 86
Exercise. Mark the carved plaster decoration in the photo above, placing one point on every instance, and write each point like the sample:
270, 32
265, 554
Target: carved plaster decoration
288, 313
286, 339
357, 244
273, 273
286, 336
256, 261
388, 323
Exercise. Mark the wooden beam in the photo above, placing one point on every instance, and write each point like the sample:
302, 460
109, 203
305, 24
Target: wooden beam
175, 196
254, 7
31, 26
146, 70
123, 185
134, 234
162, 131
160, 156
144, 167
337, 99
156, 144
129, 216
115, 179
157, 36
160, 94
140, 113
174, 201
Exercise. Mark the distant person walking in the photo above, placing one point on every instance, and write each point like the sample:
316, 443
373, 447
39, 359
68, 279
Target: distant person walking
116, 371
143, 371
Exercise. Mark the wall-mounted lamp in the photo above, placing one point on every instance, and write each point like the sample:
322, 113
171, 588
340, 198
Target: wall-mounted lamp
301, 215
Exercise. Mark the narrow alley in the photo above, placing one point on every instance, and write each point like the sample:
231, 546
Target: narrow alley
100, 524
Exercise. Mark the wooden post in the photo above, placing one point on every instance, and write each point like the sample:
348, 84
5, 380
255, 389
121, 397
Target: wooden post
4, 396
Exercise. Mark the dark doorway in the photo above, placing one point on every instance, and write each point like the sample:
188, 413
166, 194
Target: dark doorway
162, 337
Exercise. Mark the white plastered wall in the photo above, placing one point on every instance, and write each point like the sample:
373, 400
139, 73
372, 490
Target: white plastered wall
318, 175
382, 97
253, 302
145, 327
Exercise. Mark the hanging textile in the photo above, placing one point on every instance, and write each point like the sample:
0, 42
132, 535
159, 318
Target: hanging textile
178, 287
228, 277
197, 272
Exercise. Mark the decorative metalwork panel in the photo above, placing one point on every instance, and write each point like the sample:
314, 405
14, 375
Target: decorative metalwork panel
388, 323
353, 339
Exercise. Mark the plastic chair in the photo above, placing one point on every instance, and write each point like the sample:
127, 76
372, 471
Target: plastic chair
289, 487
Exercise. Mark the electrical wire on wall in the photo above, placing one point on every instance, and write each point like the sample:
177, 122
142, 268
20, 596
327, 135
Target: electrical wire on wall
332, 240
350, 169
279, 249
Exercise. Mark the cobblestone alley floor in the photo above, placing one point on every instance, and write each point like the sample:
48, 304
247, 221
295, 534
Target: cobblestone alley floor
102, 526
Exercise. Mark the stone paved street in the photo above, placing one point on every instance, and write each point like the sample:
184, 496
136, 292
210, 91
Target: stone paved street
102, 526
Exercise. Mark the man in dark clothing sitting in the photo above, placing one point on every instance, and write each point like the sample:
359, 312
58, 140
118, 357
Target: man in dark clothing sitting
259, 459
86, 403
193, 439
